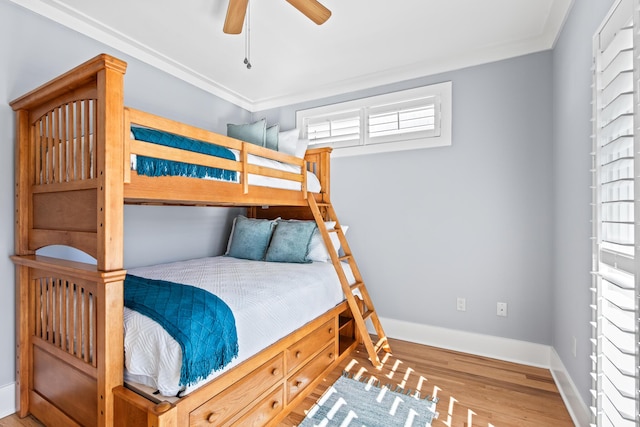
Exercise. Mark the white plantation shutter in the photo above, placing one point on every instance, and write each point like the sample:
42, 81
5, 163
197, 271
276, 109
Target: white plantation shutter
341, 129
413, 119
408, 119
615, 192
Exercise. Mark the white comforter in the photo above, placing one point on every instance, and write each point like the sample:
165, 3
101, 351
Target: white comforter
268, 300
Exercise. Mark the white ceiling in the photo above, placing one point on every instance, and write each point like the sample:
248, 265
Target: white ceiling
365, 43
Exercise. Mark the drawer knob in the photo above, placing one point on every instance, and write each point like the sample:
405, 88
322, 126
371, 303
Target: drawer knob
212, 418
331, 356
275, 371
298, 354
330, 330
275, 404
299, 383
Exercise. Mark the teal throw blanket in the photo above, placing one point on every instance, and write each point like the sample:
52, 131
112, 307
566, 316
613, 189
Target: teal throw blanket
199, 321
160, 167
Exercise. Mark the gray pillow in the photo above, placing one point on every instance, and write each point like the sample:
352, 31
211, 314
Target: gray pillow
250, 238
290, 242
255, 133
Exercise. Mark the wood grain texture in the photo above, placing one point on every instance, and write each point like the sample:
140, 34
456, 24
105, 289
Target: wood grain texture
473, 390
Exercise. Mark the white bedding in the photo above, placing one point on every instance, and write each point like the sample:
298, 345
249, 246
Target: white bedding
269, 300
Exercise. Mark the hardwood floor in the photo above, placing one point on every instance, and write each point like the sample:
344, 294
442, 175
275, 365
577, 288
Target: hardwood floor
473, 390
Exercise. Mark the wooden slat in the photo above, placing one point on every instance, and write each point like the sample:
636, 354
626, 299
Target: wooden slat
49, 150
77, 108
38, 148
169, 153
72, 321
64, 143
78, 332
86, 329
64, 309
86, 137
39, 308
48, 311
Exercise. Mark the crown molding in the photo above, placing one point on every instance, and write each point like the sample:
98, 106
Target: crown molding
58, 12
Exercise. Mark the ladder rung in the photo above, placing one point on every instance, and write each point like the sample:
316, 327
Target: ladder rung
367, 314
356, 285
333, 230
345, 257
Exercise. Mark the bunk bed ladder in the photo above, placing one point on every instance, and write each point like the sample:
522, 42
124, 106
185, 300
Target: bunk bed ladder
323, 211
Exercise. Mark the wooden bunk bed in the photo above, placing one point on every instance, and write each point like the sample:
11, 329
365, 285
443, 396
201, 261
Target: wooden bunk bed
73, 177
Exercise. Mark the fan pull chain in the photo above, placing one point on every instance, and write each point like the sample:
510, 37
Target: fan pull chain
247, 38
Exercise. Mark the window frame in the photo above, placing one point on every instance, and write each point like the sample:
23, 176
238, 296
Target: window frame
364, 144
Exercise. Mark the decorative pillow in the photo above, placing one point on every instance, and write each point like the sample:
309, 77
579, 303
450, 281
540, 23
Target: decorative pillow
255, 133
287, 141
317, 249
250, 238
301, 148
290, 241
271, 140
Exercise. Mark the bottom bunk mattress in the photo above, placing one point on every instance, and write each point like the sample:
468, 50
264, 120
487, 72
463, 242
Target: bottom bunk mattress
269, 301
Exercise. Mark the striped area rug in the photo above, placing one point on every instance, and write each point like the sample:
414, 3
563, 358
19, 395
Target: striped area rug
356, 403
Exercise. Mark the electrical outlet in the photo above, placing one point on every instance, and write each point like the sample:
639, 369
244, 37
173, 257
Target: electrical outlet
502, 309
461, 304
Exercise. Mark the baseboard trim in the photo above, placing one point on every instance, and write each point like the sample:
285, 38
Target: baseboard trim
579, 411
7, 400
510, 350
469, 342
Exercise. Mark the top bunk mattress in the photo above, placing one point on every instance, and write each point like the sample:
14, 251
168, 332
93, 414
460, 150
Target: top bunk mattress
269, 300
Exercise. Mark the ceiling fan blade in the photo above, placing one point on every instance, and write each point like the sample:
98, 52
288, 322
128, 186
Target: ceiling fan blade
235, 16
312, 9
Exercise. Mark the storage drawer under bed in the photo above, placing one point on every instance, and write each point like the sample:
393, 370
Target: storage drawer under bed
221, 409
310, 372
300, 352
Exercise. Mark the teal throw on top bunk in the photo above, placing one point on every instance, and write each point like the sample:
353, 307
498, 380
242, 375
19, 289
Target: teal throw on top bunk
150, 166
199, 321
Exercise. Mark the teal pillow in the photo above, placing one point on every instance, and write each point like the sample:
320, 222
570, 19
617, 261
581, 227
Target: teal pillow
271, 140
255, 133
250, 238
290, 242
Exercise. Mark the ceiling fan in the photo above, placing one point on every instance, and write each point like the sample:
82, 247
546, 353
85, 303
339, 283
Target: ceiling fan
237, 9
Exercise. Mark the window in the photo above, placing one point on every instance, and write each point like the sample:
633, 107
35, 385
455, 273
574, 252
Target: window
615, 215
409, 119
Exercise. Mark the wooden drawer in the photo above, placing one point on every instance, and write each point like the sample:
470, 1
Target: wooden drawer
298, 353
219, 409
264, 411
310, 372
